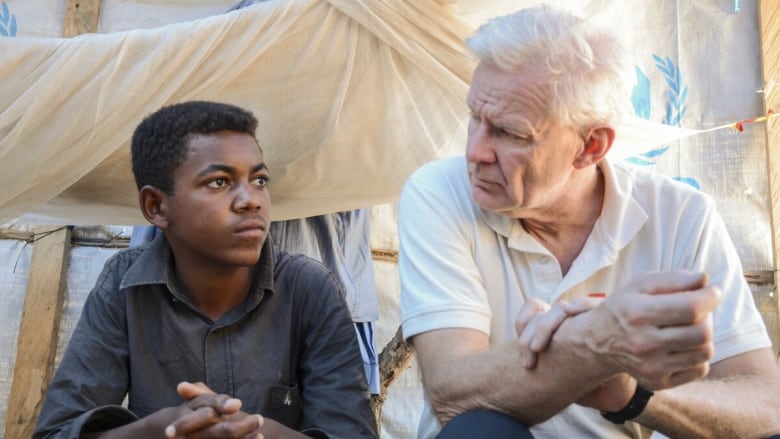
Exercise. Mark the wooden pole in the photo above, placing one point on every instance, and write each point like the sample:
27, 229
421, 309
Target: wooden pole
81, 17
39, 328
36, 344
393, 360
769, 37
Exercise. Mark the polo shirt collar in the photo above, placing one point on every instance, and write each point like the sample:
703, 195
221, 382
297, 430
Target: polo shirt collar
621, 218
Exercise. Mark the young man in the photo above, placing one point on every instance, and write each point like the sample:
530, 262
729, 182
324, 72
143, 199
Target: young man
209, 301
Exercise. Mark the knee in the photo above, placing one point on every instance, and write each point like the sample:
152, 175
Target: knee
484, 423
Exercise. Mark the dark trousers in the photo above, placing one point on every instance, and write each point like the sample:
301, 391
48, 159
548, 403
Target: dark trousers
490, 424
484, 424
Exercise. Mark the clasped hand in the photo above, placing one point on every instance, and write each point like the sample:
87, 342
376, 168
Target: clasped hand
655, 331
205, 414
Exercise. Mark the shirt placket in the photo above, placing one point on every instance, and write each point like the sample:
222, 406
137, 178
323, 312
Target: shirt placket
219, 369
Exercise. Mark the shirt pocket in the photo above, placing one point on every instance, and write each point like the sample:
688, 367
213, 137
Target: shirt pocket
284, 405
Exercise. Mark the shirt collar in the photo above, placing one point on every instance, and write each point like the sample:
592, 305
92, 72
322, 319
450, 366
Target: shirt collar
155, 266
621, 216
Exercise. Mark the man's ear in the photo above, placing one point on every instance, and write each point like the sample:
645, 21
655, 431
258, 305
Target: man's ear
597, 143
153, 202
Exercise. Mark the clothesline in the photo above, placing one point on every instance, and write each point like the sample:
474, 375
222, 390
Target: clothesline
740, 125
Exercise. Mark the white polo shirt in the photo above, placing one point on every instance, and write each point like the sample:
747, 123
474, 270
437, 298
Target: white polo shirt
463, 267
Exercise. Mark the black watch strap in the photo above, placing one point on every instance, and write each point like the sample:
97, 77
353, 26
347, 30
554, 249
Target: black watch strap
632, 409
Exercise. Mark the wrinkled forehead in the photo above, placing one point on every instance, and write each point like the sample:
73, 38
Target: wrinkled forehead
496, 92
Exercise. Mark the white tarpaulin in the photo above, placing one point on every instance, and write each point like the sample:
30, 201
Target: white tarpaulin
352, 96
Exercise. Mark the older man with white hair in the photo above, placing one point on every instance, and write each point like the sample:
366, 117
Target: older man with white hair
551, 292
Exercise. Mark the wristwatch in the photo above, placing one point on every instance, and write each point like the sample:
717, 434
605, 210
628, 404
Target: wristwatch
632, 409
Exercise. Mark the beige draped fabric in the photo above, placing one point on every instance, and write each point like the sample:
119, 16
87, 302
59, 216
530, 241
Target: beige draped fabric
351, 96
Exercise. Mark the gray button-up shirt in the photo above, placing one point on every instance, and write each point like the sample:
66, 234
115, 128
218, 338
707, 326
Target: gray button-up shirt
289, 351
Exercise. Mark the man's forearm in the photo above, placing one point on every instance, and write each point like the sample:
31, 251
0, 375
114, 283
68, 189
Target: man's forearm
740, 407
496, 379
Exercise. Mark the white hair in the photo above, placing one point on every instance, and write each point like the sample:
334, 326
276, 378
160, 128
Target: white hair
590, 71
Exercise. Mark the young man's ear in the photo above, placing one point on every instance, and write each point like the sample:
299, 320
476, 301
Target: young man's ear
152, 202
597, 144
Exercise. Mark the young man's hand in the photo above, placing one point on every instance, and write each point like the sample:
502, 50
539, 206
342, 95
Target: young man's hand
203, 415
208, 415
220, 416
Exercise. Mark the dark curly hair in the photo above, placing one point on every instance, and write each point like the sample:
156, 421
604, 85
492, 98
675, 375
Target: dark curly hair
160, 142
